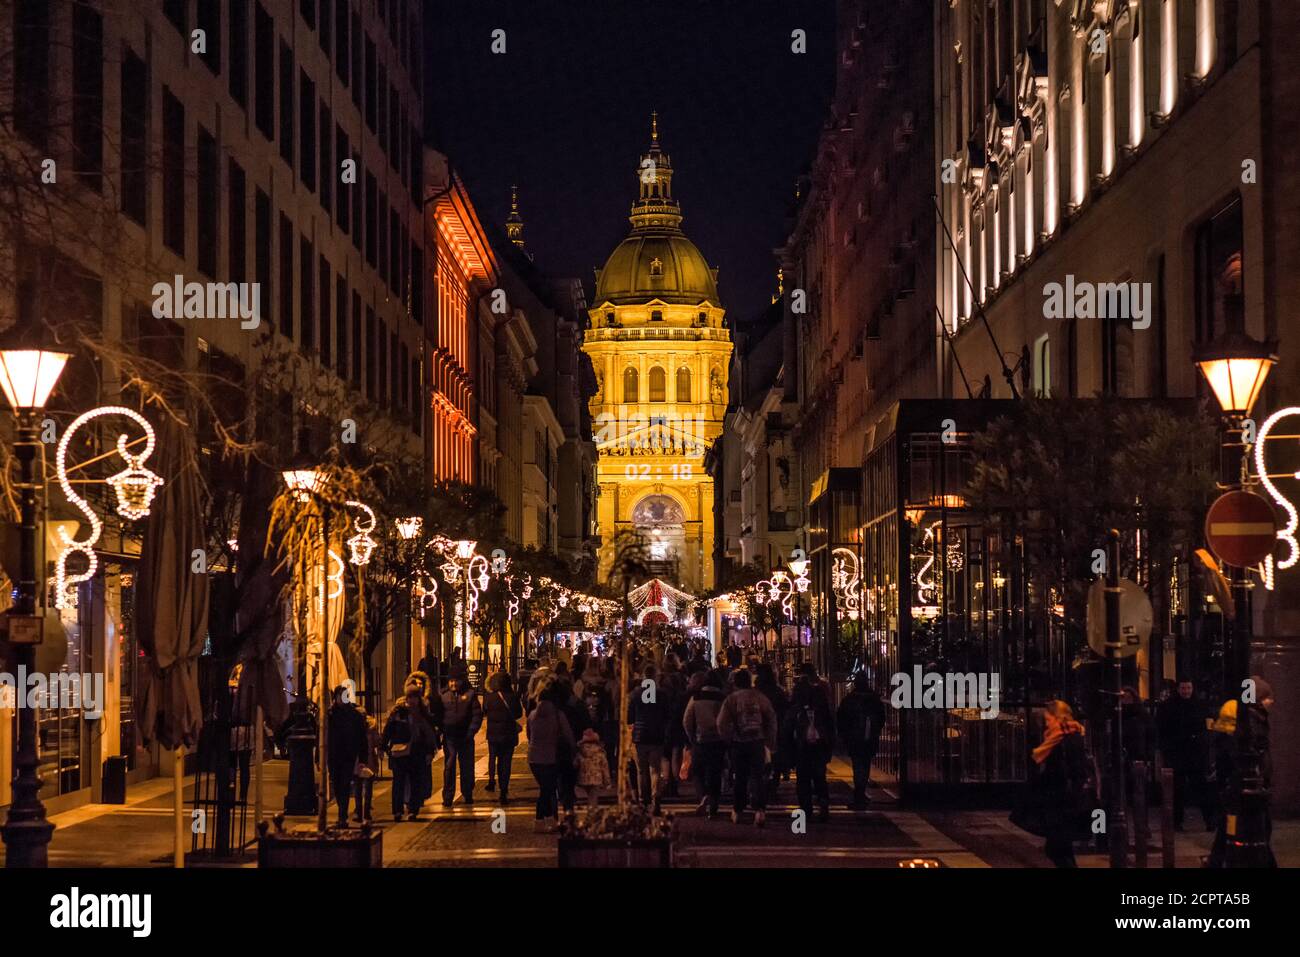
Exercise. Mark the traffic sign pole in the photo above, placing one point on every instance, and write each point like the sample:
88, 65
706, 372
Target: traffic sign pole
1117, 826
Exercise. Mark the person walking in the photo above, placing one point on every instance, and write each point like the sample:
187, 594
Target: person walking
859, 720
593, 768
1181, 733
410, 737
747, 723
672, 685
346, 747
1243, 757
502, 711
782, 758
367, 770
1065, 786
648, 715
811, 734
462, 716
548, 733
700, 722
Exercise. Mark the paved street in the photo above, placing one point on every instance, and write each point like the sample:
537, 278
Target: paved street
138, 834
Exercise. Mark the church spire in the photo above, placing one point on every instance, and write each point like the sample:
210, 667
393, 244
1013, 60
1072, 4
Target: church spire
655, 207
515, 222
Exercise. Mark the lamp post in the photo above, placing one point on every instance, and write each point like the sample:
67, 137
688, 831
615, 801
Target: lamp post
1236, 367
799, 571
28, 376
303, 478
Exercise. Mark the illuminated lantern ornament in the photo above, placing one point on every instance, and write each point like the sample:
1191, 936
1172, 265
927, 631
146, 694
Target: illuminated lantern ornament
135, 488
408, 528
846, 582
361, 545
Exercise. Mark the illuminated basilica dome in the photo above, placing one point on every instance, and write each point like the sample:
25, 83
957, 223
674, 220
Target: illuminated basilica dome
656, 261
661, 352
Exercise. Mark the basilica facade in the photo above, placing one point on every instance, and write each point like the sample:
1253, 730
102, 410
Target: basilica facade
660, 351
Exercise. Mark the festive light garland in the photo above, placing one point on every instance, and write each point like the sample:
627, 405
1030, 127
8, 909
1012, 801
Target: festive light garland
361, 545
846, 582
1287, 534
134, 487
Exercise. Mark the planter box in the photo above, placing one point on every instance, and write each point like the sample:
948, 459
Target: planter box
353, 850
595, 852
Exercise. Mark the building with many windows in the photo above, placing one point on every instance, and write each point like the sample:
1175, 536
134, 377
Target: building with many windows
266, 142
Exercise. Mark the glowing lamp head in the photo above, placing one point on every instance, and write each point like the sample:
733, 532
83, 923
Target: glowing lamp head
465, 549
28, 376
360, 547
135, 488
1235, 366
798, 566
409, 527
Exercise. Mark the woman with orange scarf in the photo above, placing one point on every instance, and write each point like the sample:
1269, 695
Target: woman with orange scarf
1062, 793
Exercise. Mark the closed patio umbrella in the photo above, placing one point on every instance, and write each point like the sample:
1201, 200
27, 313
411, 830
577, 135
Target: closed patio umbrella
172, 607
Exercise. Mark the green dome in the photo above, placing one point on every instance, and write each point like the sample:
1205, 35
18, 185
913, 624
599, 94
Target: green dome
663, 266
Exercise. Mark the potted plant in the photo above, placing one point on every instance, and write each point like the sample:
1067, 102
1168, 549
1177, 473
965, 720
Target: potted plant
622, 835
361, 846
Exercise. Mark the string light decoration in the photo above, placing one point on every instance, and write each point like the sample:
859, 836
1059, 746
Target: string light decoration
334, 581
1288, 533
846, 582
361, 545
409, 527
658, 595
134, 488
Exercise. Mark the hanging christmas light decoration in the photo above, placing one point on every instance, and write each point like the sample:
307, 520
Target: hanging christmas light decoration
361, 545
134, 488
846, 582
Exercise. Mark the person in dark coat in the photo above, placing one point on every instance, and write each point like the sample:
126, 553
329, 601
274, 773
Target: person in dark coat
501, 711
566, 766
346, 747
1065, 786
648, 715
782, 758
1182, 732
859, 720
1242, 758
672, 683
462, 716
811, 733
410, 737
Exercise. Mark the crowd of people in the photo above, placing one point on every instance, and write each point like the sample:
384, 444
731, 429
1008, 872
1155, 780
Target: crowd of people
693, 724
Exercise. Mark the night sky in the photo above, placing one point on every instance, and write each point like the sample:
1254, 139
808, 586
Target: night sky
565, 113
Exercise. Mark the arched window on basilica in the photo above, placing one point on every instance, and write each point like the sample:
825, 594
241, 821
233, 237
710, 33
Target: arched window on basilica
631, 385
683, 384
658, 384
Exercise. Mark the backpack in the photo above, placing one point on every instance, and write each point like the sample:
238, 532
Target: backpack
806, 724
749, 719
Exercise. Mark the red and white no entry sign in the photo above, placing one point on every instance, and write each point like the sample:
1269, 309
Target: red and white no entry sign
1241, 528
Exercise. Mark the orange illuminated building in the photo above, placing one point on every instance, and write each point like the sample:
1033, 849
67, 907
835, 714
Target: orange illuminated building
463, 272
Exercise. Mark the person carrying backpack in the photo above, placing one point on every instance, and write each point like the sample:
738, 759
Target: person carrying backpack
700, 722
747, 723
859, 721
811, 734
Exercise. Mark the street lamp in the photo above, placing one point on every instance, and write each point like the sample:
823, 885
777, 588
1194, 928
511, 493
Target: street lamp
28, 376
304, 479
1235, 366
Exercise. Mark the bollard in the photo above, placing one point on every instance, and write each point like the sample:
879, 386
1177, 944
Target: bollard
1166, 817
1141, 826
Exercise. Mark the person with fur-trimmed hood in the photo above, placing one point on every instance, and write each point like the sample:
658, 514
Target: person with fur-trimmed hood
549, 736
410, 738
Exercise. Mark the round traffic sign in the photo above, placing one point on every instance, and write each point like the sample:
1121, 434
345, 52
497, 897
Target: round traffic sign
1241, 528
1135, 618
